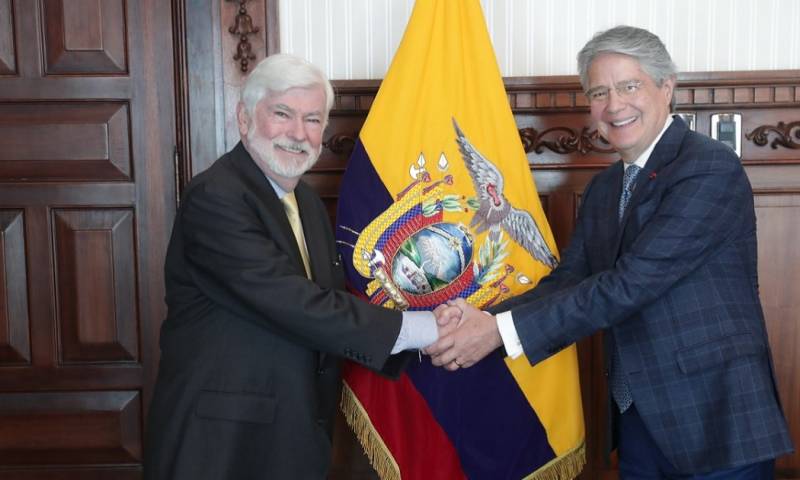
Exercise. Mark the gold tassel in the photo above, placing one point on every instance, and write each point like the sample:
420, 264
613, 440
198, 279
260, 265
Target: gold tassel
377, 452
566, 466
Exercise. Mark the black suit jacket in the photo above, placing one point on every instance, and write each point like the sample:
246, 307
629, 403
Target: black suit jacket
675, 283
249, 379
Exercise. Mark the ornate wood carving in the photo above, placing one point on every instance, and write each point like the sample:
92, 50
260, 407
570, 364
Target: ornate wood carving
243, 27
341, 143
568, 142
760, 136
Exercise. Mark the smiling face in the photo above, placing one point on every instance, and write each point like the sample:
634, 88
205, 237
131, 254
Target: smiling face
630, 120
284, 133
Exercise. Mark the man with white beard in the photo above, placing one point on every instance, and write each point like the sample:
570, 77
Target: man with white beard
258, 320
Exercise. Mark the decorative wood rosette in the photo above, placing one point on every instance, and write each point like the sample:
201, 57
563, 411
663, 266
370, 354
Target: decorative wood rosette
568, 142
783, 132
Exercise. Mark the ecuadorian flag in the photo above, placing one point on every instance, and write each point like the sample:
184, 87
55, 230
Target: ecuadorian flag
438, 202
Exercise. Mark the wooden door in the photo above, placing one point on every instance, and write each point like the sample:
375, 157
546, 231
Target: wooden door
87, 197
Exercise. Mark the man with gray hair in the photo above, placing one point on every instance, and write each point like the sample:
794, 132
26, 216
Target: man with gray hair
663, 261
249, 376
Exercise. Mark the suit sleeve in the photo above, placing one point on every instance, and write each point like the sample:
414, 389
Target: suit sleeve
233, 256
700, 210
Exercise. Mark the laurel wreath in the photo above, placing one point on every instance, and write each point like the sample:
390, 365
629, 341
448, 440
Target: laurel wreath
490, 259
448, 203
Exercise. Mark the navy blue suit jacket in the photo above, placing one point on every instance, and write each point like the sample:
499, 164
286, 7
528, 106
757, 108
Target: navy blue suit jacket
675, 282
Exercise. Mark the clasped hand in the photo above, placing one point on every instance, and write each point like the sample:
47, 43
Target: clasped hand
466, 335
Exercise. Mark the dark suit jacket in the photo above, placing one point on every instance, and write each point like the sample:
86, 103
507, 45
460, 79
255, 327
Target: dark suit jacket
675, 284
249, 379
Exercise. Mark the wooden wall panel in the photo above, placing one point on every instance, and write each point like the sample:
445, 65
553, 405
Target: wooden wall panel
70, 428
8, 54
15, 347
63, 141
96, 285
85, 36
779, 277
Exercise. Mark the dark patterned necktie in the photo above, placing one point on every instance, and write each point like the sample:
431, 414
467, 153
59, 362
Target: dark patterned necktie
619, 386
627, 187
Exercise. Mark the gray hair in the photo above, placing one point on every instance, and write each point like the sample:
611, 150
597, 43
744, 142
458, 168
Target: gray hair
279, 73
637, 43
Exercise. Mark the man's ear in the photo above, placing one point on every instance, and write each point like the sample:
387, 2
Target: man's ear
669, 88
242, 120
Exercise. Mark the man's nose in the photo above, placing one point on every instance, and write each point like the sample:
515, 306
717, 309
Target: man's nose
297, 129
615, 101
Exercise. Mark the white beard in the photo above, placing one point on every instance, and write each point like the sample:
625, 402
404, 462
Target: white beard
264, 149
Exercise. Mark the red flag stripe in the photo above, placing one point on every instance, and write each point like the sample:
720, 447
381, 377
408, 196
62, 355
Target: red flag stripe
420, 431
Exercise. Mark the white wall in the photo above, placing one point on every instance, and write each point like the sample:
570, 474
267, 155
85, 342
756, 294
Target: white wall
356, 39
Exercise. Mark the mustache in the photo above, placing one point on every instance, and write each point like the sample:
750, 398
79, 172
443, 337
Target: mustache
289, 144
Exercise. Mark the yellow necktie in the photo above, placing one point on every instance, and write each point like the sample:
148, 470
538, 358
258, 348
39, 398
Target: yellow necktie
292, 212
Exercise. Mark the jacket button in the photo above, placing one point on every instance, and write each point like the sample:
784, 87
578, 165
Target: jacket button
321, 371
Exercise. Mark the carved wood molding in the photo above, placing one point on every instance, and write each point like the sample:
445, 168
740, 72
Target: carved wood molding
243, 27
783, 132
563, 140
341, 143
556, 131
696, 91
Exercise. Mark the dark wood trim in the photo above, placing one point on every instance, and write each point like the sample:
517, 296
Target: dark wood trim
272, 26
556, 82
182, 153
696, 91
198, 86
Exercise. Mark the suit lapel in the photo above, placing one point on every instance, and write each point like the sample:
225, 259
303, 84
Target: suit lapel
666, 151
262, 189
311, 217
610, 211
316, 236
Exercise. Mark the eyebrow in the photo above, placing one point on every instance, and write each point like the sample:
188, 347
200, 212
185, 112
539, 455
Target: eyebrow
283, 106
621, 82
596, 89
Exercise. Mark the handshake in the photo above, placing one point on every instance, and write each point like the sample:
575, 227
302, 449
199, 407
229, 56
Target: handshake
466, 335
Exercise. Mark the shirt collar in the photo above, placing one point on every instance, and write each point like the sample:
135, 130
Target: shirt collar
278, 190
642, 159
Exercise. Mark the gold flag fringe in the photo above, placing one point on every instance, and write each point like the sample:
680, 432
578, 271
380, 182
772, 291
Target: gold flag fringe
566, 466
379, 455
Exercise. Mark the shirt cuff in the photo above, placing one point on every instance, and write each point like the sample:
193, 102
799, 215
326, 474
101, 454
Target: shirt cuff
417, 331
508, 332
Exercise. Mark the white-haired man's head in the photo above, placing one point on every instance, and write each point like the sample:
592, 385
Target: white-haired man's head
282, 114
